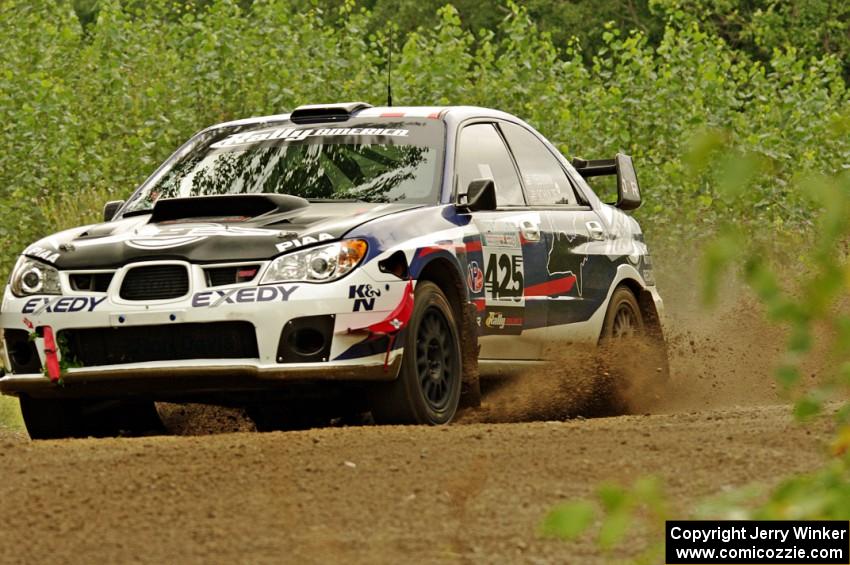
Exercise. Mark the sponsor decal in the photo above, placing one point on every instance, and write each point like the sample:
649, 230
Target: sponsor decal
498, 321
503, 239
364, 296
292, 134
45, 255
306, 240
474, 277
62, 304
245, 295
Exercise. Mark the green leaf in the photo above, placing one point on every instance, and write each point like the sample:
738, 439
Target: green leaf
613, 497
568, 520
787, 375
806, 408
614, 528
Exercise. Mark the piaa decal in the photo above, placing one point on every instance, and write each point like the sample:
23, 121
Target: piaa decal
45, 255
306, 240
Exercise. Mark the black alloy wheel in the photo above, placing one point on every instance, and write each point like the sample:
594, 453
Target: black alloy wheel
427, 389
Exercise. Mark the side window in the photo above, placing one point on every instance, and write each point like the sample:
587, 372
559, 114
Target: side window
545, 181
482, 154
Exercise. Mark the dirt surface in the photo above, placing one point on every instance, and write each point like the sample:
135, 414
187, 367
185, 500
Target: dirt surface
475, 491
466, 493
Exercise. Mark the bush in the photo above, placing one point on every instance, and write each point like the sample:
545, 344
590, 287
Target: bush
87, 115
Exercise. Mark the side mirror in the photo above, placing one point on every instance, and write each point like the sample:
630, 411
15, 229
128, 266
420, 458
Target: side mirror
481, 195
111, 208
628, 190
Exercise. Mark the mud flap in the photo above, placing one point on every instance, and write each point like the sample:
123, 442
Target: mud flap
470, 387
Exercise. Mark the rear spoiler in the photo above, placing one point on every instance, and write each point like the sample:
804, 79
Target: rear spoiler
595, 168
628, 190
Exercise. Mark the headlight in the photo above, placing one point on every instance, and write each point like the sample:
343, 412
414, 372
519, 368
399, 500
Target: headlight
317, 264
34, 277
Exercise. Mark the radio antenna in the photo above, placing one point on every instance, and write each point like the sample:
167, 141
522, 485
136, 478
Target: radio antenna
390, 74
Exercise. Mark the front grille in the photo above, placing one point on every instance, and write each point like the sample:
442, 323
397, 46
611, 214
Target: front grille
220, 276
96, 282
155, 282
91, 347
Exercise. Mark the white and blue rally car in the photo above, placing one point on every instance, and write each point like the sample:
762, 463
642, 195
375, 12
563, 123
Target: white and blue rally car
338, 256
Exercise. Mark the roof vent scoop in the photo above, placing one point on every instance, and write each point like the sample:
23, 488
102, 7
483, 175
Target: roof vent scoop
318, 113
225, 206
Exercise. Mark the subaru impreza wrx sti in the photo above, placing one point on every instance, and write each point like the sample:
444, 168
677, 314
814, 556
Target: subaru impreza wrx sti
338, 254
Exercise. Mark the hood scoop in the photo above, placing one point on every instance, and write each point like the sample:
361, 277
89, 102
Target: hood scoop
238, 207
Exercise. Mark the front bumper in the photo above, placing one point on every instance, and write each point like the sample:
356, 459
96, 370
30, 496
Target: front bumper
353, 303
166, 380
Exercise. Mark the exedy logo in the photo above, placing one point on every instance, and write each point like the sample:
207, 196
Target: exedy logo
215, 298
364, 296
62, 304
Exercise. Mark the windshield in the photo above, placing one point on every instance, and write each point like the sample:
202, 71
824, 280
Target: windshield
372, 160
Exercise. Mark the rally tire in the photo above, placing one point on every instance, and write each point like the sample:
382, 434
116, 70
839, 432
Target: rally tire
632, 369
623, 318
427, 390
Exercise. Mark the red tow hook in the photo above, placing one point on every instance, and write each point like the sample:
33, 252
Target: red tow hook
53, 370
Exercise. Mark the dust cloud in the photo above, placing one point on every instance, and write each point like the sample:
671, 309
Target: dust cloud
719, 356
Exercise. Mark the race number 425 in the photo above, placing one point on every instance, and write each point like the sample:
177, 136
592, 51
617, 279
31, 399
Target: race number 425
503, 278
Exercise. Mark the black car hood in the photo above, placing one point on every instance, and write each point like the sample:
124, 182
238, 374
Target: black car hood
210, 239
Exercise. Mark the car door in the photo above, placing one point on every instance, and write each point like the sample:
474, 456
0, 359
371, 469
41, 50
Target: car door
497, 262
573, 282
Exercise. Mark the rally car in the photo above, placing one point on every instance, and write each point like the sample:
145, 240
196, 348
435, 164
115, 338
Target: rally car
337, 255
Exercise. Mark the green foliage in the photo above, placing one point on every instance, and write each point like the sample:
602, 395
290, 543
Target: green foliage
820, 495
813, 28
569, 519
10, 413
87, 115
809, 28
614, 513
